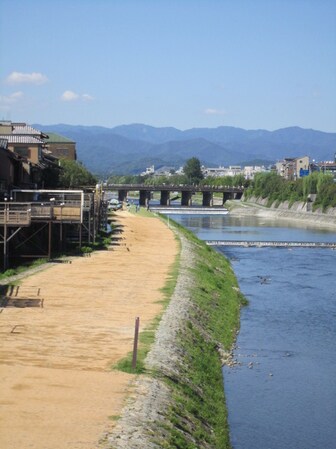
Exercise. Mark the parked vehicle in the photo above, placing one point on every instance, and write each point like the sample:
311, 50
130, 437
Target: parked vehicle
114, 204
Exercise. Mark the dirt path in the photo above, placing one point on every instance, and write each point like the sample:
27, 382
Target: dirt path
57, 390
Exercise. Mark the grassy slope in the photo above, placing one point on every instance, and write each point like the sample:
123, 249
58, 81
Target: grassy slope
197, 417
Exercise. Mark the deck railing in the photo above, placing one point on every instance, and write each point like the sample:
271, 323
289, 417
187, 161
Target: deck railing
22, 214
14, 216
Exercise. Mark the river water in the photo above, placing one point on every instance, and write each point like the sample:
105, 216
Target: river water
282, 392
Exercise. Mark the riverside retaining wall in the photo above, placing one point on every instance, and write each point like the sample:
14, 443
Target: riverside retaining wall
297, 211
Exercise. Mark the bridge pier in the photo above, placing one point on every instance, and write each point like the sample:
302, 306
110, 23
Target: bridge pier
228, 196
144, 197
186, 199
207, 199
185, 191
122, 195
165, 198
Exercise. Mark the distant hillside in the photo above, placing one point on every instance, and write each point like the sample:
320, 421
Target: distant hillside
131, 148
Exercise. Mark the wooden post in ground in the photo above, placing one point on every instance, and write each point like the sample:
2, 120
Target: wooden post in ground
135, 344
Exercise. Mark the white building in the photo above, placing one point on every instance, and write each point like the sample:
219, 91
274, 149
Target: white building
149, 171
232, 170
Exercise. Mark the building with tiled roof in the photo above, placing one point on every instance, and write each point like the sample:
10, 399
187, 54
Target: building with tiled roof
61, 147
26, 139
23, 140
22, 128
29, 144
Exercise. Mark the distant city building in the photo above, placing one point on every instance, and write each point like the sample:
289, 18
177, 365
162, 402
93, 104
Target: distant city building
251, 171
302, 166
293, 168
328, 167
164, 171
213, 171
149, 171
248, 171
290, 168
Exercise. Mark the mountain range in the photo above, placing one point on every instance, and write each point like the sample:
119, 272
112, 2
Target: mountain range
129, 149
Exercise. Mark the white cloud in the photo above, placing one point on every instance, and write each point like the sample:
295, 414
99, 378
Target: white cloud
69, 95
87, 97
212, 111
26, 78
12, 98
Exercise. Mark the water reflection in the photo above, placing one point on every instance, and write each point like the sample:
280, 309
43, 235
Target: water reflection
226, 227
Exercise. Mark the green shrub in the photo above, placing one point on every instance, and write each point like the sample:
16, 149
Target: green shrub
86, 249
277, 189
10, 272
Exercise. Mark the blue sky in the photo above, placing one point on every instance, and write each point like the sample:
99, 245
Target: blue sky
254, 64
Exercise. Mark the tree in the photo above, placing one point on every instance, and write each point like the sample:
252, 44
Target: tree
75, 175
192, 170
50, 177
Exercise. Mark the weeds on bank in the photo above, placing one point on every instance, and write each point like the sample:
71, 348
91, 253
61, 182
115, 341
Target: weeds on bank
198, 416
114, 417
146, 338
22, 268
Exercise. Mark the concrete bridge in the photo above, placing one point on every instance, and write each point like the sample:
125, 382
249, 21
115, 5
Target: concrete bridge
182, 190
274, 244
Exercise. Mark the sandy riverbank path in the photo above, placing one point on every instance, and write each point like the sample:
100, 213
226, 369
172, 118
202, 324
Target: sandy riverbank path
57, 390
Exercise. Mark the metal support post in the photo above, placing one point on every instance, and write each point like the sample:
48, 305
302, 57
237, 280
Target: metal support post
5, 237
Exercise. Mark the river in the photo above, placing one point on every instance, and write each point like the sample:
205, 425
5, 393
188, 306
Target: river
282, 391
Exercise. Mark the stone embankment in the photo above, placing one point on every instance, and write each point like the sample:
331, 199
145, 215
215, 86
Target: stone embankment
180, 402
298, 211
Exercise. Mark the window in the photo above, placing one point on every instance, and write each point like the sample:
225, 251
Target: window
22, 151
62, 152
